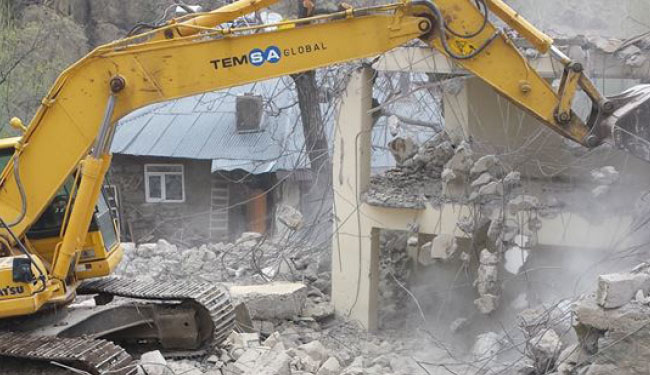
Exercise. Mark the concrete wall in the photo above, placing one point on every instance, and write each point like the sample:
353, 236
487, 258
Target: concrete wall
495, 126
620, 19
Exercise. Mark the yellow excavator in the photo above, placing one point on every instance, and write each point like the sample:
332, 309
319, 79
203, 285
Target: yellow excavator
57, 236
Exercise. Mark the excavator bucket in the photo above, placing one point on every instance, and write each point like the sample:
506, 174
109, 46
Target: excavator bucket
629, 123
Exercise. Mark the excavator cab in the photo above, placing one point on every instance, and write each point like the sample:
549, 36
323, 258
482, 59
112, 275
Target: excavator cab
99, 255
101, 252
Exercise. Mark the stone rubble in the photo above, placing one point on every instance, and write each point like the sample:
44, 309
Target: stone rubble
612, 327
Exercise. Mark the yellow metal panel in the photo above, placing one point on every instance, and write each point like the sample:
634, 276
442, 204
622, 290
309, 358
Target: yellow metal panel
504, 68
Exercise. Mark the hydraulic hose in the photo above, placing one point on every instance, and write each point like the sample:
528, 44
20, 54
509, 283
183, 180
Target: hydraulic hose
442, 27
21, 191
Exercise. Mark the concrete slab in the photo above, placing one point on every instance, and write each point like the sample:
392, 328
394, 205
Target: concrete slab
278, 300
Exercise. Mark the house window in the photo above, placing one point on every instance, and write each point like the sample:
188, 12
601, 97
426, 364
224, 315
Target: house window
164, 183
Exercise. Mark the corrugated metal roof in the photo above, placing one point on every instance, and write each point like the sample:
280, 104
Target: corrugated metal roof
204, 127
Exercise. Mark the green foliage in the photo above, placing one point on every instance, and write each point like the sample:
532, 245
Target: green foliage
34, 52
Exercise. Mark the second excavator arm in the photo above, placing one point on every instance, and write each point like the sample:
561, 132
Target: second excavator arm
199, 53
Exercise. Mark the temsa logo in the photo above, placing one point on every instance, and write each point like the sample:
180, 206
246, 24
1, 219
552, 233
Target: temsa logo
11, 291
256, 57
259, 57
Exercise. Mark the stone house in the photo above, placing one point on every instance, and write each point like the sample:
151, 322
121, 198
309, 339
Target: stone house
209, 167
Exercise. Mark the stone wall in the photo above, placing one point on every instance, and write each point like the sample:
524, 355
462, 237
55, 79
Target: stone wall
184, 223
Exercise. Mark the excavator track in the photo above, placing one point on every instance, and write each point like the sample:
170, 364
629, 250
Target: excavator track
90, 355
215, 312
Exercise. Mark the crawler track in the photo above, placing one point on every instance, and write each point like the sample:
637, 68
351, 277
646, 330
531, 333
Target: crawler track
214, 310
90, 355
214, 313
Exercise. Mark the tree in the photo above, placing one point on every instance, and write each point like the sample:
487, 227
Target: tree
36, 46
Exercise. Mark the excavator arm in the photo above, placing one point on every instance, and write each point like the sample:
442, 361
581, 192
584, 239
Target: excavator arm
199, 53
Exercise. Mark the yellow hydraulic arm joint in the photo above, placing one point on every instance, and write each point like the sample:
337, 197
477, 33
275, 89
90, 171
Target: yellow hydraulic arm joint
227, 13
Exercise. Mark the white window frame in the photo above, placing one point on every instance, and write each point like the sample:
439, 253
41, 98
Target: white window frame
162, 175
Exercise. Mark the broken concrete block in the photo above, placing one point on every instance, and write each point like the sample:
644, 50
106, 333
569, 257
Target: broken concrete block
483, 179
184, 368
402, 149
487, 304
278, 300
618, 289
487, 345
545, 348
491, 189
443, 247
246, 363
512, 180
462, 160
318, 311
605, 175
289, 216
640, 298
523, 203
244, 340
272, 362
153, 363
315, 350
330, 367
355, 368
405, 366
488, 164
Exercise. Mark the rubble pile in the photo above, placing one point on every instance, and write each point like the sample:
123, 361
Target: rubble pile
252, 259
504, 222
310, 348
612, 326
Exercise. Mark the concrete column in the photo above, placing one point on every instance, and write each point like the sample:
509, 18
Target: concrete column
355, 250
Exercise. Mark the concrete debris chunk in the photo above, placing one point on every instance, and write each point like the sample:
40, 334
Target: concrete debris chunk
618, 289
318, 311
443, 247
273, 362
153, 363
402, 149
523, 203
487, 346
401, 365
492, 189
545, 349
512, 180
462, 160
184, 368
289, 216
489, 164
640, 298
246, 363
315, 350
483, 179
277, 300
487, 303
330, 367
355, 368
